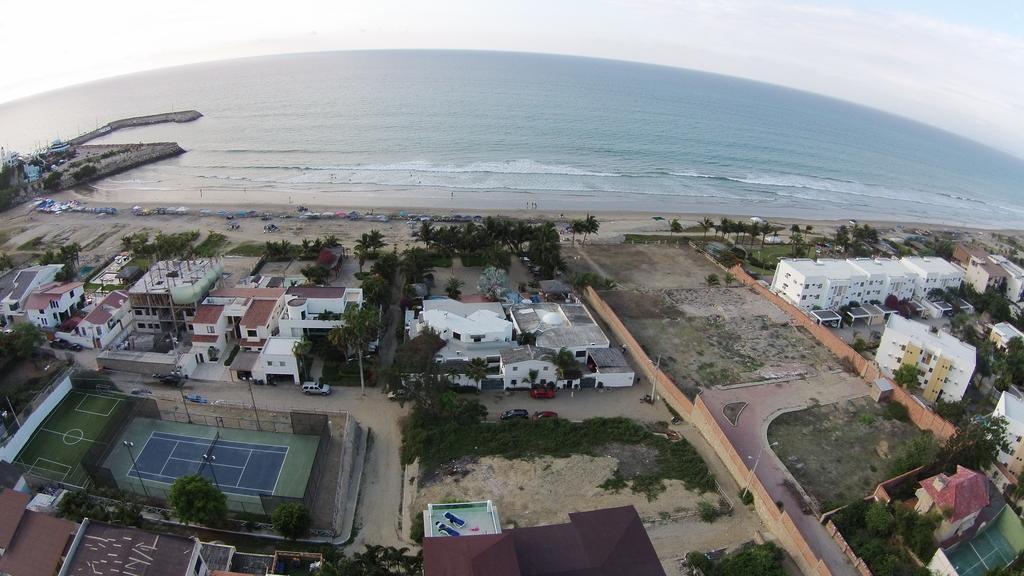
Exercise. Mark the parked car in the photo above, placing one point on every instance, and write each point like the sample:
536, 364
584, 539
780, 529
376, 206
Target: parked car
544, 414
62, 344
314, 388
197, 399
542, 393
141, 392
515, 413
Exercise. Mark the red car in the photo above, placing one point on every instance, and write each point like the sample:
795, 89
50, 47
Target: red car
544, 414
542, 393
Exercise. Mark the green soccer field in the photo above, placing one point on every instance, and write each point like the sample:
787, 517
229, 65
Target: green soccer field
57, 447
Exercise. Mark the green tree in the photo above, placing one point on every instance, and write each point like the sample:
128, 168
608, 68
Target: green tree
476, 370
377, 561
195, 500
906, 375
753, 560
454, 288
358, 329
705, 225
576, 227
315, 274
493, 282
919, 451
729, 278
291, 520
376, 290
590, 226
976, 444
712, 280
675, 227
5, 262
878, 520
566, 364
22, 340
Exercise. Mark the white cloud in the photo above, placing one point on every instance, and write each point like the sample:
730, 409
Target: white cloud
963, 79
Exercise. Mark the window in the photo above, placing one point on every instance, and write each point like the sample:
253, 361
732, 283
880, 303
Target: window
250, 333
281, 363
581, 353
457, 336
270, 362
209, 329
513, 383
545, 368
515, 368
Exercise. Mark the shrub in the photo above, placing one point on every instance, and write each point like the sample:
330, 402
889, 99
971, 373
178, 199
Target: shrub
896, 411
708, 512
291, 520
747, 497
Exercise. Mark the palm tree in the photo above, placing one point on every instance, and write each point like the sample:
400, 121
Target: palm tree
359, 328
375, 241
565, 364
729, 278
796, 239
476, 370
301, 350
545, 250
738, 228
711, 280
454, 288
675, 227
590, 226
425, 233
577, 227
531, 377
725, 226
705, 225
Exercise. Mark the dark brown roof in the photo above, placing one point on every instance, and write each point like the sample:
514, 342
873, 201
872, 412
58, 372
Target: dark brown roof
38, 546
106, 550
12, 507
257, 293
607, 542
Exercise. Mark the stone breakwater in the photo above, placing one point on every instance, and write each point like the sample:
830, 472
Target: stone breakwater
183, 116
100, 161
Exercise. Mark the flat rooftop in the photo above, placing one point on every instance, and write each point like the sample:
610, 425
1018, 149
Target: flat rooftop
108, 550
167, 274
939, 342
478, 518
559, 325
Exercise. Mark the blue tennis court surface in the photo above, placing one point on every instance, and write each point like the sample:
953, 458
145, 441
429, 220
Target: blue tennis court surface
236, 467
988, 550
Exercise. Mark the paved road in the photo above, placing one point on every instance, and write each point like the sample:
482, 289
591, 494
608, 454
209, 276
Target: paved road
750, 436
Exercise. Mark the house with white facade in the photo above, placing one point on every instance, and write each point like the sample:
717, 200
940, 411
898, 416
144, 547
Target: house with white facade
526, 366
885, 277
104, 324
277, 361
1002, 333
944, 363
25, 281
470, 330
50, 305
958, 499
557, 325
607, 368
1014, 277
316, 310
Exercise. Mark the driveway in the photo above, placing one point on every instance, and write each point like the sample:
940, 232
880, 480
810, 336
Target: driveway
750, 437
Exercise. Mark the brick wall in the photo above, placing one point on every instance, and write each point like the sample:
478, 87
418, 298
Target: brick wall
858, 563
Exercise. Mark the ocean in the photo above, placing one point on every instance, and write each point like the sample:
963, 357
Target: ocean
456, 129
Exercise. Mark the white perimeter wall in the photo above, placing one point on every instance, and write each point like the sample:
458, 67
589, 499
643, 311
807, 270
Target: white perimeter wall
28, 427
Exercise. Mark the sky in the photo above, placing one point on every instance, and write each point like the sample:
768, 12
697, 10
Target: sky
954, 64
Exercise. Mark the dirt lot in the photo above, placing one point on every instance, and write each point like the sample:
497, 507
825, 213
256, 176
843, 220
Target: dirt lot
717, 336
544, 490
839, 451
639, 266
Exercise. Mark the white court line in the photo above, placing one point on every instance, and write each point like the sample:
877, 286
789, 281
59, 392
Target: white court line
281, 468
223, 440
65, 477
78, 407
84, 439
168, 458
204, 461
133, 467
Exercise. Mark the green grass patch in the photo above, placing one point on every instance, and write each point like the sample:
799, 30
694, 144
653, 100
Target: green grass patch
440, 261
473, 260
251, 249
347, 373
231, 356
662, 238
211, 245
32, 244
142, 263
438, 440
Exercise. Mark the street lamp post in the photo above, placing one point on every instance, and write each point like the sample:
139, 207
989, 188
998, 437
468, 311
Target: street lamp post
254, 411
135, 465
754, 469
13, 413
654, 381
210, 460
185, 403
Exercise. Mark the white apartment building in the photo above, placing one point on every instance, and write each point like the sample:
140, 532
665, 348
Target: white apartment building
933, 273
829, 284
945, 364
316, 310
1011, 407
25, 282
50, 305
470, 330
1014, 277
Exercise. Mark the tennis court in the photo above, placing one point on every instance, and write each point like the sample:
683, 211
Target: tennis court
235, 467
986, 551
55, 450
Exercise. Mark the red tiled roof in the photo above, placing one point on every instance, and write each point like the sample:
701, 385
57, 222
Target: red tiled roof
207, 314
104, 310
959, 495
207, 338
41, 296
38, 545
12, 507
597, 543
258, 293
258, 313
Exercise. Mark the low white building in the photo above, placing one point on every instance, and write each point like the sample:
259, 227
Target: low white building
521, 363
607, 368
932, 273
102, 326
557, 325
50, 305
470, 330
945, 364
1002, 333
277, 361
316, 310
25, 282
